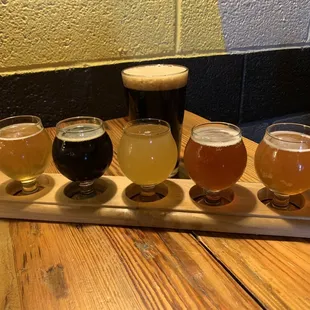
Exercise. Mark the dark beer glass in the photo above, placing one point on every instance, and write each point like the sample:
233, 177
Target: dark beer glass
157, 91
82, 151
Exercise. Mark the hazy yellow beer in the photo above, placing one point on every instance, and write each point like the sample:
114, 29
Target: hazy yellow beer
147, 153
157, 91
282, 162
25, 149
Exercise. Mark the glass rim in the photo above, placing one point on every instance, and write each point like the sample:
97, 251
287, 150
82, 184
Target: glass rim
148, 120
238, 130
36, 118
185, 69
76, 118
270, 134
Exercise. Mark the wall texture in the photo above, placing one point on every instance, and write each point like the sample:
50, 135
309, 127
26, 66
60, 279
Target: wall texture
51, 34
60, 58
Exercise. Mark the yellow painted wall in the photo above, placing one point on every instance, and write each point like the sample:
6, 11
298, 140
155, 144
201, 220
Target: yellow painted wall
52, 34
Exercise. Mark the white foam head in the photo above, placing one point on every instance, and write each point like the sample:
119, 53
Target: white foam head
19, 131
155, 77
216, 136
289, 141
80, 132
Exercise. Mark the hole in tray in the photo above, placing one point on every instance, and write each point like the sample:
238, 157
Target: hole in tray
197, 194
133, 191
296, 201
45, 183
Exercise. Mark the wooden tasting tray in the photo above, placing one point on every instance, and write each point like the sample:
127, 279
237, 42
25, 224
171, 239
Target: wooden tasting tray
246, 214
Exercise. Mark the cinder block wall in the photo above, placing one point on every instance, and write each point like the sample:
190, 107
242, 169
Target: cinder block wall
40, 35
247, 58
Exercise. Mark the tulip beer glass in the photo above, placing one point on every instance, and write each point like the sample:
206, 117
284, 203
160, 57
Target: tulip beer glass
82, 151
282, 161
25, 150
147, 154
215, 158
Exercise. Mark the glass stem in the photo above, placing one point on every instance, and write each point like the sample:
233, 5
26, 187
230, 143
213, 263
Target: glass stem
280, 201
147, 192
87, 188
29, 187
212, 198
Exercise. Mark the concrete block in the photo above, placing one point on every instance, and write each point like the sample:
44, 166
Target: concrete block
36, 34
276, 83
201, 29
254, 24
256, 130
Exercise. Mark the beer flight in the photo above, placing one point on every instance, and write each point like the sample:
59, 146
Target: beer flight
148, 153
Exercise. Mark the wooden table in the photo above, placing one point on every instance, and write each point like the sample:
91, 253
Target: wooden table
69, 266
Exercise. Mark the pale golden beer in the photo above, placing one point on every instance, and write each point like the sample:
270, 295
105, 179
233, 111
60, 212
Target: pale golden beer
25, 149
282, 162
147, 152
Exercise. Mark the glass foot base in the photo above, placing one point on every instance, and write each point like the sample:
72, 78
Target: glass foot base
73, 191
290, 207
296, 202
143, 198
203, 201
198, 195
135, 193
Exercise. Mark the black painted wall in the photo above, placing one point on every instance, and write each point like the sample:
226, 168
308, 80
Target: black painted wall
252, 90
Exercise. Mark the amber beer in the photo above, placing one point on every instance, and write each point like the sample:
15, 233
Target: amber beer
282, 162
215, 156
157, 91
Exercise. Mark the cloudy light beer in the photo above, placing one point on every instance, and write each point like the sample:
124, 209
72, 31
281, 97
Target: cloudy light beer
282, 161
25, 150
157, 91
147, 153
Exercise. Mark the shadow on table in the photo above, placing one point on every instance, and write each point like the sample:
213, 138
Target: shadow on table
219, 235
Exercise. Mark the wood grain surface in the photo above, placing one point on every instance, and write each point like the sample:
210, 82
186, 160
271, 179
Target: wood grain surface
275, 270
62, 266
58, 266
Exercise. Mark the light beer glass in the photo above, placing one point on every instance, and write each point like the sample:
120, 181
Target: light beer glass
215, 158
147, 155
282, 161
25, 150
157, 91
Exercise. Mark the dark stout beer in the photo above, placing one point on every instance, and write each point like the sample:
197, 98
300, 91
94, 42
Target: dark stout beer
157, 91
82, 152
